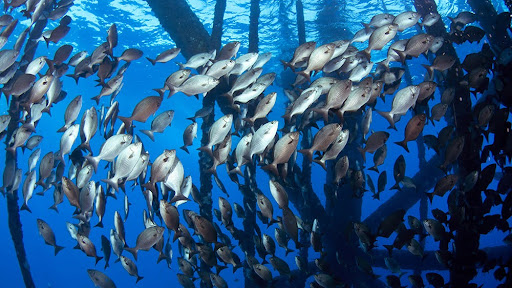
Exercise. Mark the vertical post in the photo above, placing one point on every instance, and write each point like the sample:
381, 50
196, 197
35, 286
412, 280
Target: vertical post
218, 20
301, 26
253, 26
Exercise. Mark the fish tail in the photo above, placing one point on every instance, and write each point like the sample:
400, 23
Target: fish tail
58, 248
249, 120
305, 75
323, 112
367, 27
401, 54
139, 277
149, 186
403, 144
63, 128
100, 224
98, 258
184, 148
93, 161
106, 265
133, 251
172, 90
374, 169
270, 167
389, 248
321, 163
151, 60
307, 152
286, 65
25, 207
74, 76
149, 133
220, 268
160, 91
206, 149
126, 120
112, 182
363, 154
430, 196
388, 116
430, 70
288, 250
30, 126
54, 207
97, 99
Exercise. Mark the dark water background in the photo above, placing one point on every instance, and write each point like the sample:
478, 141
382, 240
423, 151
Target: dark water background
138, 28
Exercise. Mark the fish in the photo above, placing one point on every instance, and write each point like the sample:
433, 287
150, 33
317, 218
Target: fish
130, 54
165, 56
265, 105
67, 140
47, 233
71, 113
381, 37
110, 149
283, 150
145, 108
380, 20
220, 68
262, 138
88, 247
413, 129
28, 189
189, 135
441, 63
317, 60
100, 279
195, 85
228, 51
306, 99
403, 100
300, 55
198, 60
334, 150
406, 19
374, 142
218, 132
130, 267
125, 163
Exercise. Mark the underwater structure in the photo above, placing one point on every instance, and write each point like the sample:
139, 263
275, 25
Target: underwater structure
328, 123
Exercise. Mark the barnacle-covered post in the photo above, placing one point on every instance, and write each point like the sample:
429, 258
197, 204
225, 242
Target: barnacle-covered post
301, 26
488, 17
182, 24
218, 20
13, 212
253, 25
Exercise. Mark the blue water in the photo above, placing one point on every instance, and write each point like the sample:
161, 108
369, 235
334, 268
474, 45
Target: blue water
138, 28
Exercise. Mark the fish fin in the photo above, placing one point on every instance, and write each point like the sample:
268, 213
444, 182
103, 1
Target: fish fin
388, 116
100, 224
374, 169
139, 277
430, 196
54, 207
172, 90
151, 60
389, 248
363, 154
220, 268
250, 121
106, 265
98, 258
93, 161
133, 251
323, 112
401, 54
149, 133
403, 144
63, 128
112, 183
305, 75
97, 99
126, 120
206, 149
286, 65
58, 248
270, 167
25, 207
307, 152
184, 148
430, 70
288, 250
321, 163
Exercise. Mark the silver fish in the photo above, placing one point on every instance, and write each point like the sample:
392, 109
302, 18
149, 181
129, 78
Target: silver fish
159, 123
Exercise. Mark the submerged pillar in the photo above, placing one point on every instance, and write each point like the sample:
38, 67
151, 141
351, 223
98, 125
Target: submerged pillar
183, 26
